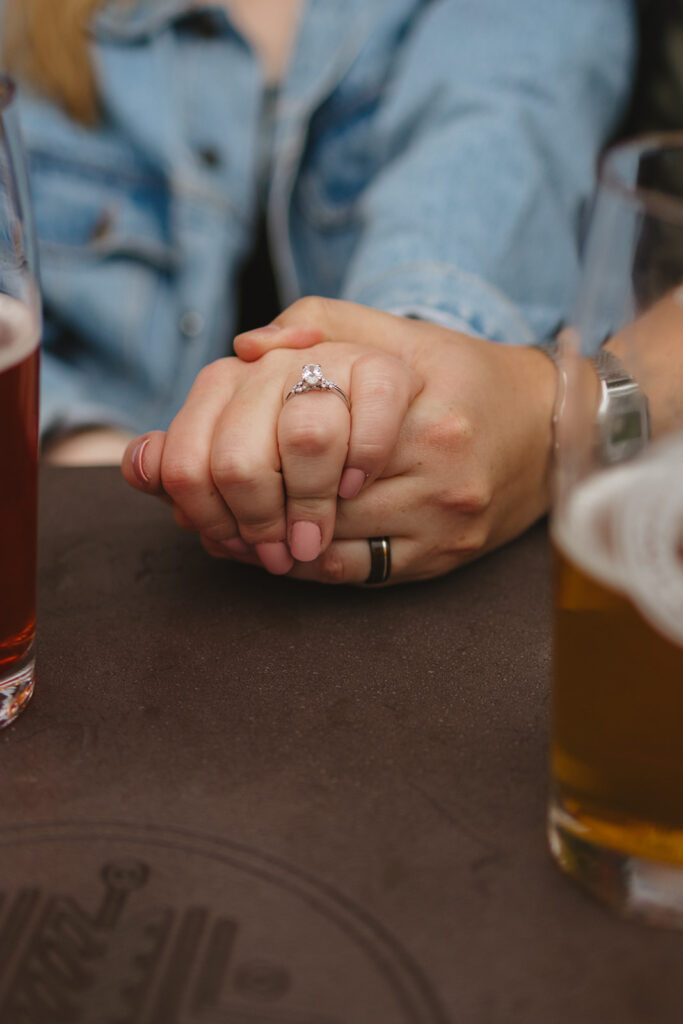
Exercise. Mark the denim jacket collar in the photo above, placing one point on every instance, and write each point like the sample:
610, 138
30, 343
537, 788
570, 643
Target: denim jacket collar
308, 79
319, 31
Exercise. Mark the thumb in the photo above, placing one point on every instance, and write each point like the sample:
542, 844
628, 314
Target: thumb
141, 463
313, 320
251, 345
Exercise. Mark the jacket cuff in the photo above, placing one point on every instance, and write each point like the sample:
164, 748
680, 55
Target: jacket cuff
65, 406
448, 296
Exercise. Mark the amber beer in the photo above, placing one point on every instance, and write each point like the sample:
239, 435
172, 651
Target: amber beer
19, 355
617, 716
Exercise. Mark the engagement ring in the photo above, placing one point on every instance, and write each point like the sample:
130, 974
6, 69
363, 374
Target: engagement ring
312, 380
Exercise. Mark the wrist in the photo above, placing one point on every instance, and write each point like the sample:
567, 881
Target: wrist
544, 389
87, 446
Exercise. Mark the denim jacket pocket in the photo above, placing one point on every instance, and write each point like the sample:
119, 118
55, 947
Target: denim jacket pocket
107, 263
86, 213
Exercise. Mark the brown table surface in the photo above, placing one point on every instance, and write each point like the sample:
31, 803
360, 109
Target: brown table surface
237, 799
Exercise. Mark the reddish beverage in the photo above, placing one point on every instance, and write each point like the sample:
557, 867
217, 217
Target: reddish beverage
19, 357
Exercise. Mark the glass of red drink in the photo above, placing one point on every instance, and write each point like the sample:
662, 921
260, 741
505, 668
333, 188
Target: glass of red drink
19, 357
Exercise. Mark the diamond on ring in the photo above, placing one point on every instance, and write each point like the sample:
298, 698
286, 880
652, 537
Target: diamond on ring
312, 379
312, 374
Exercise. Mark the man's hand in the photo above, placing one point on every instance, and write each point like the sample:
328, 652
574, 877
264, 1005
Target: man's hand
471, 469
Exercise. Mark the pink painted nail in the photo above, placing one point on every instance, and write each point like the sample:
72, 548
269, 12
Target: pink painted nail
275, 557
138, 466
235, 546
305, 540
351, 482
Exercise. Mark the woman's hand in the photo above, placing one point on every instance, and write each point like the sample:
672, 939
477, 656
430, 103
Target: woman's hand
257, 476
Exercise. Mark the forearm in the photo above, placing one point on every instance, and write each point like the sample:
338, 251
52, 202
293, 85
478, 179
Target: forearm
93, 446
491, 149
76, 430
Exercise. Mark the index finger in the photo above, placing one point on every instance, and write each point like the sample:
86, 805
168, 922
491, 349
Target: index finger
383, 389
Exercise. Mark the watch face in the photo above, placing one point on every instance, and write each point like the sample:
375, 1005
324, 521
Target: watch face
624, 428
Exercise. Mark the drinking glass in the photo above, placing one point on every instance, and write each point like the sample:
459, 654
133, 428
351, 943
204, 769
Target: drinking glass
19, 355
616, 808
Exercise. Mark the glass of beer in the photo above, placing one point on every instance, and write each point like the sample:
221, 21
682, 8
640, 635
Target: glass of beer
616, 807
19, 340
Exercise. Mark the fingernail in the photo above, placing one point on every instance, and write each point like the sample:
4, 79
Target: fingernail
256, 331
305, 540
351, 482
275, 557
136, 458
235, 546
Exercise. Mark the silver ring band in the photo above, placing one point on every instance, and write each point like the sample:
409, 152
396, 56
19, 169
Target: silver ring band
380, 559
312, 379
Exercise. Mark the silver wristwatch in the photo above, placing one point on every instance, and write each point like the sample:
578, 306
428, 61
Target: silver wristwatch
622, 420
623, 417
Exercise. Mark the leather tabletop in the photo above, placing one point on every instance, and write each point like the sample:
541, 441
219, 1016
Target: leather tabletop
238, 799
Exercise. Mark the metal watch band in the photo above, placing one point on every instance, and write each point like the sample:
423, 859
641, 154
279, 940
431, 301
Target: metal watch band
623, 416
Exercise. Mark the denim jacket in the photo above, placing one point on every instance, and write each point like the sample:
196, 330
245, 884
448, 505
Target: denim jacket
429, 157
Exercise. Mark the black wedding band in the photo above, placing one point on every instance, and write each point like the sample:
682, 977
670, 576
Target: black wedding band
380, 559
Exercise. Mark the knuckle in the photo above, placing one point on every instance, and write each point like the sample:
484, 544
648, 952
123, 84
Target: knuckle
451, 433
310, 308
472, 497
214, 374
212, 548
261, 531
386, 390
382, 379
303, 436
182, 520
181, 475
368, 453
380, 396
471, 536
275, 360
469, 543
223, 530
234, 468
477, 496
332, 567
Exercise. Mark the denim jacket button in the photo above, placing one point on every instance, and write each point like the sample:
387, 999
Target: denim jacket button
102, 226
205, 25
209, 156
191, 323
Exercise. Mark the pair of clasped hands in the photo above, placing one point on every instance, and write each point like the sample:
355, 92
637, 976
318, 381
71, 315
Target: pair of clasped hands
445, 449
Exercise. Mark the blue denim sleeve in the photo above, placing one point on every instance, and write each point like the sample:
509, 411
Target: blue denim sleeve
491, 130
67, 401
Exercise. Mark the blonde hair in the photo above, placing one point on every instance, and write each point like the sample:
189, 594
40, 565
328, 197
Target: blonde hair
45, 43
